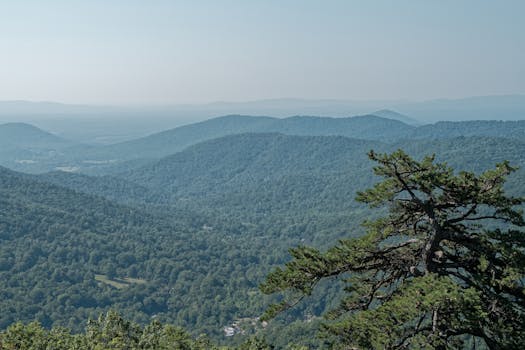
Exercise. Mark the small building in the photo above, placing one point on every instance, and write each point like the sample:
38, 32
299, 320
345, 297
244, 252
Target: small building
229, 331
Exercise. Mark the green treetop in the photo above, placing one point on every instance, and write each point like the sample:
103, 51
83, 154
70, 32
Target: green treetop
445, 269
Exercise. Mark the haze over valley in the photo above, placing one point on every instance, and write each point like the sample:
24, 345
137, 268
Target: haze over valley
262, 175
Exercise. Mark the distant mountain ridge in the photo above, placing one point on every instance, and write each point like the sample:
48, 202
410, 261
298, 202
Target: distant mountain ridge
491, 107
446, 129
26, 148
171, 141
367, 127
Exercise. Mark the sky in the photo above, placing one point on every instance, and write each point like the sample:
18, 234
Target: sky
135, 52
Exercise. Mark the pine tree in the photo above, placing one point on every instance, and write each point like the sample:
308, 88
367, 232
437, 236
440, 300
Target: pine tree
444, 269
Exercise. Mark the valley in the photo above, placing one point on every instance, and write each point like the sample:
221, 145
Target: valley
182, 226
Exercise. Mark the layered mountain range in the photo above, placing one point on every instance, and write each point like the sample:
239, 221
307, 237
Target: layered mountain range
183, 225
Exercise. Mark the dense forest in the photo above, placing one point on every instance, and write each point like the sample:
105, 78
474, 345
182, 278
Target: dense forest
182, 227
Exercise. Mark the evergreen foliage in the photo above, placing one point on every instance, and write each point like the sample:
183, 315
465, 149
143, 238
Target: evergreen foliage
445, 266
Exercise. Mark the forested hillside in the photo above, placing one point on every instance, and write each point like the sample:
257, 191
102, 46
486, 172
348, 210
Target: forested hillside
54, 242
114, 188
187, 238
66, 256
261, 172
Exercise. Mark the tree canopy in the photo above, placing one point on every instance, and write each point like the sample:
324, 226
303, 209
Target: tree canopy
444, 269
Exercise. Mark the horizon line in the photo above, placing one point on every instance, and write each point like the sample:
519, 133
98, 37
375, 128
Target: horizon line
275, 99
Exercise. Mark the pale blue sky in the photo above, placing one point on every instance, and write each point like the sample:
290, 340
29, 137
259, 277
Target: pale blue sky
163, 52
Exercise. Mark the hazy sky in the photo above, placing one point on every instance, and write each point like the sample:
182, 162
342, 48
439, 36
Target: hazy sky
148, 52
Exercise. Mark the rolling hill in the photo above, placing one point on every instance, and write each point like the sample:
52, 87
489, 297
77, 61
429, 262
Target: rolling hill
26, 136
174, 140
118, 157
26, 147
368, 127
